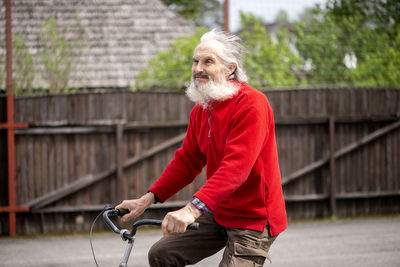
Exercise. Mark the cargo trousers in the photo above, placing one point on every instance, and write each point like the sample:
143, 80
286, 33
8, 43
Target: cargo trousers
243, 247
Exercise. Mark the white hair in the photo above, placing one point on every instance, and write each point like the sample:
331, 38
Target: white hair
230, 51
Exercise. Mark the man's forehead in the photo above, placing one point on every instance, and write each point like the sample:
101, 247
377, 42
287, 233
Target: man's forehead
212, 47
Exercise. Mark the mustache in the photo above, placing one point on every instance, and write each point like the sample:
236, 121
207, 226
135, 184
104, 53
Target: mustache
200, 75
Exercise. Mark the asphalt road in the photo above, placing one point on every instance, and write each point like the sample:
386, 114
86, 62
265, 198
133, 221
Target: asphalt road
350, 242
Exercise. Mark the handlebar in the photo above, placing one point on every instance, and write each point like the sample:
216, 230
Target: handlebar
125, 234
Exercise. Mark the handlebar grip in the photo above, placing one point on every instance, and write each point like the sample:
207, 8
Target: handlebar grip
122, 212
193, 226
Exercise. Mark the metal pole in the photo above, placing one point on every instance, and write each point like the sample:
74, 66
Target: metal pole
10, 121
226, 16
10, 125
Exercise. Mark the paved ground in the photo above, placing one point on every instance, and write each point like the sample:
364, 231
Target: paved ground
352, 242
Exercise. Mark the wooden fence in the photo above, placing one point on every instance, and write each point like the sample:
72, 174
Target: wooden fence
84, 150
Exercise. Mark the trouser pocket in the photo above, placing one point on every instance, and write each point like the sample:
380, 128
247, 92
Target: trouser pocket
246, 248
247, 255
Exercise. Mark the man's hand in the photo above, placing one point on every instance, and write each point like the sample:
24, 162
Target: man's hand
177, 221
136, 206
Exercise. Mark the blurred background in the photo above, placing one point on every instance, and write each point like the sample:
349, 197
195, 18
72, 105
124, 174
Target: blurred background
95, 106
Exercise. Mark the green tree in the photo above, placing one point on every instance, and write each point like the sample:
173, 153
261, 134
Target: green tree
23, 67
269, 63
317, 40
58, 55
379, 68
366, 30
207, 13
372, 30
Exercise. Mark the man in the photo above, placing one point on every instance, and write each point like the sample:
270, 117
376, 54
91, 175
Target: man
231, 130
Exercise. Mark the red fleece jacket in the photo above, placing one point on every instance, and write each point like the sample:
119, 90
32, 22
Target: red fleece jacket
235, 138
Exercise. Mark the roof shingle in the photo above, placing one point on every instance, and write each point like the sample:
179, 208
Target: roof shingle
118, 36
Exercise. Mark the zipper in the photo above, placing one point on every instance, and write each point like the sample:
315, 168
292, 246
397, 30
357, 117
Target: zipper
209, 125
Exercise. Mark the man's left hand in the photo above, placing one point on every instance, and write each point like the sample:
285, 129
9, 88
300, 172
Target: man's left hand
177, 221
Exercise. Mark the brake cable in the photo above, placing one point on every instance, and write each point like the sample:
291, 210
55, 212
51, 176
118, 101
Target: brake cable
91, 234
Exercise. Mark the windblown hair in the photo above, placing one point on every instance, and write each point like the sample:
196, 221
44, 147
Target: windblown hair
231, 51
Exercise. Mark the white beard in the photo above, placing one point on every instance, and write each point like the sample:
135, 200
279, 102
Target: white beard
211, 91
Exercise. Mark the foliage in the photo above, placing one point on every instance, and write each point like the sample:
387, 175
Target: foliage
170, 69
367, 31
23, 67
58, 55
270, 62
206, 13
320, 47
379, 66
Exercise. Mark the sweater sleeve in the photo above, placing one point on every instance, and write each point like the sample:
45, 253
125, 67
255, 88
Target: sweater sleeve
249, 129
183, 169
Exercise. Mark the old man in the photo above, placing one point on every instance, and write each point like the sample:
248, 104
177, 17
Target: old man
231, 131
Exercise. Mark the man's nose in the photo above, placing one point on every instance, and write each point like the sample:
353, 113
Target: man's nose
197, 68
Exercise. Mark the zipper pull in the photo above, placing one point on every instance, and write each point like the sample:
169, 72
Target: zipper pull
209, 125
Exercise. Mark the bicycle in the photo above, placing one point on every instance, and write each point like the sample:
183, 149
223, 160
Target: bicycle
126, 235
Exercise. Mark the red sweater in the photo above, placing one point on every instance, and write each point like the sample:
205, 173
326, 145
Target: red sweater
235, 138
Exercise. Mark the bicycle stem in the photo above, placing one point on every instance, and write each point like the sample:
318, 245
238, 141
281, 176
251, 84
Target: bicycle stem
128, 250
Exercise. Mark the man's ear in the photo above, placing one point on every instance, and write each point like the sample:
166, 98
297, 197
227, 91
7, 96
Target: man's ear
231, 69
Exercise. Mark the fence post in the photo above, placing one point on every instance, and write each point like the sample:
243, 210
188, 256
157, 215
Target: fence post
121, 185
333, 179
10, 126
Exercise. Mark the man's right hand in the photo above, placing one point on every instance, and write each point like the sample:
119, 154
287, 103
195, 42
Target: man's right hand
136, 206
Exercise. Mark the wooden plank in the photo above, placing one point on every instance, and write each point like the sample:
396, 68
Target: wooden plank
366, 166
359, 163
140, 184
332, 168
64, 130
37, 176
65, 173
20, 172
307, 169
86, 161
52, 166
377, 194
388, 163
342, 196
66, 190
396, 158
98, 208
72, 164
44, 163
121, 181
173, 141
307, 197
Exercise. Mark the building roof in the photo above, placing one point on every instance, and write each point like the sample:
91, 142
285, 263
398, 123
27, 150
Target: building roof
118, 36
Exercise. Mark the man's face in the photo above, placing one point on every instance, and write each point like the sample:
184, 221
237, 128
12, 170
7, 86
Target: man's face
208, 65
